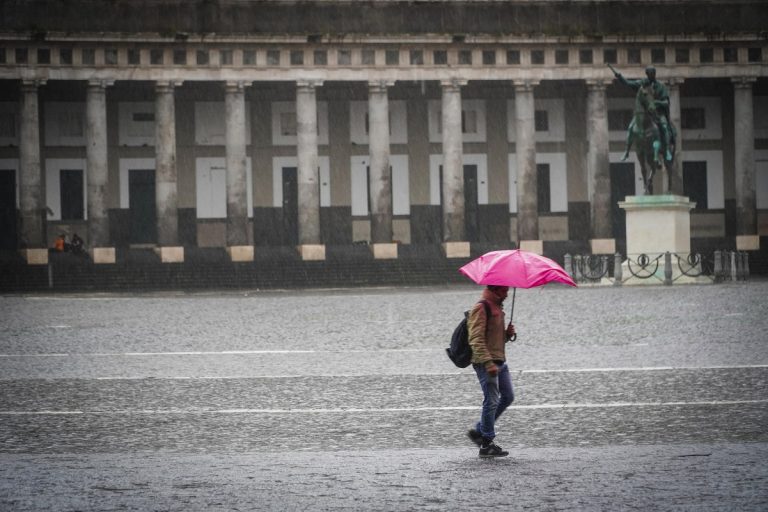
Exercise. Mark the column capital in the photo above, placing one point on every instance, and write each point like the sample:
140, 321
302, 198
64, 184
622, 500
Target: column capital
597, 84
100, 83
236, 85
743, 82
524, 85
453, 83
167, 85
675, 81
308, 84
31, 85
380, 85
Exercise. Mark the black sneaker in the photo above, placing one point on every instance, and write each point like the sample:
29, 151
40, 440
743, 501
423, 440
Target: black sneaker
490, 449
475, 436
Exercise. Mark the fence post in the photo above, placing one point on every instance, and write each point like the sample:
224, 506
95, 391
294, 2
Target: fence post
617, 277
577, 267
718, 270
734, 270
746, 265
668, 268
568, 264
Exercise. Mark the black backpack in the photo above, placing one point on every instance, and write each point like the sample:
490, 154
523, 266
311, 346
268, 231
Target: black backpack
460, 352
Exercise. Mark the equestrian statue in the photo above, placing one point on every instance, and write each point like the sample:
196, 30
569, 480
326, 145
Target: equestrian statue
650, 130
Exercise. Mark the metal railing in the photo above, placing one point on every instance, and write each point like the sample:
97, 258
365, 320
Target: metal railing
666, 268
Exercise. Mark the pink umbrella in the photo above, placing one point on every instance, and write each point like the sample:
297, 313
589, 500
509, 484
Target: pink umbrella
516, 269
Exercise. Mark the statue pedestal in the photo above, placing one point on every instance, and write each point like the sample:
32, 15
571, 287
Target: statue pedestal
657, 225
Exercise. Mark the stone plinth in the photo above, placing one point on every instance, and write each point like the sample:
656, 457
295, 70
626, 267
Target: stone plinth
603, 245
35, 256
456, 249
170, 254
240, 253
384, 251
103, 255
312, 252
748, 243
534, 246
658, 224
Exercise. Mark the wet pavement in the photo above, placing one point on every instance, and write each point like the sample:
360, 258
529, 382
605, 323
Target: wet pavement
649, 398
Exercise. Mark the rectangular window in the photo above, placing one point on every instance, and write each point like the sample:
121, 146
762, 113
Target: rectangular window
585, 56
297, 58
731, 54
249, 57
156, 56
21, 56
180, 56
143, 117
706, 55
541, 120
110, 56
658, 56
695, 183
368, 57
392, 57
561, 56
537, 57
65, 56
70, 124
202, 57
2, 56
693, 119
468, 121
89, 56
288, 123
465, 57
273, 57
71, 190
543, 188
7, 125
344, 58
610, 56
225, 57
440, 57
134, 56
43, 56
321, 58
682, 55
619, 119
489, 57
513, 56
634, 56
417, 58
755, 54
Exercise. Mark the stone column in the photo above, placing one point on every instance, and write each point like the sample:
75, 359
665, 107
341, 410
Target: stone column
166, 174
454, 227
310, 245
676, 178
31, 198
237, 180
525, 151
598, 169
744, 136
380, 175
97, 169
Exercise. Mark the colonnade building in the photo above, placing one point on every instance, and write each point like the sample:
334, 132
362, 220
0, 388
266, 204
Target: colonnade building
254, 125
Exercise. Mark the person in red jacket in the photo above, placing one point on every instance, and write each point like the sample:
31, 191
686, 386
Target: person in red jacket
487, 337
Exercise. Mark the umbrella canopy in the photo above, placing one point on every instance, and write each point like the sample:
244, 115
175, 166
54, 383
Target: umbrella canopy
516, 269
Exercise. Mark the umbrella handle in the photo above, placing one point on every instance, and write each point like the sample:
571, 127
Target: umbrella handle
512, 312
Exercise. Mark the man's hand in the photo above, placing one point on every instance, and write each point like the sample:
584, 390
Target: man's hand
511, 333
491, 369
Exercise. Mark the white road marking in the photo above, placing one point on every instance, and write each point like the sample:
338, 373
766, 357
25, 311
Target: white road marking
345, 410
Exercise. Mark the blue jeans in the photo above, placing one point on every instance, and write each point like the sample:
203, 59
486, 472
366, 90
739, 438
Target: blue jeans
498, 394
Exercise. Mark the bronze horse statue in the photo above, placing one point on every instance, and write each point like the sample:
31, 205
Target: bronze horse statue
646, 136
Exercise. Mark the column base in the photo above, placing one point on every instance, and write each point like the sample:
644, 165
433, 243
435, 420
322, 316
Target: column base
384, 251
170, 254
312, 252
456, 249
103, 255
747, 243
35, 256
534, 246
603, 245
240, 253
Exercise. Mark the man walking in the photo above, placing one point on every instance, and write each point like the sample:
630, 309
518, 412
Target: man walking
487, 337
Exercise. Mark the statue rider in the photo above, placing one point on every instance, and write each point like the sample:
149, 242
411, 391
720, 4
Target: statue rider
661, 102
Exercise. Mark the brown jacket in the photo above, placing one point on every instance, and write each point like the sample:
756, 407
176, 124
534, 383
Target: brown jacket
487, 336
